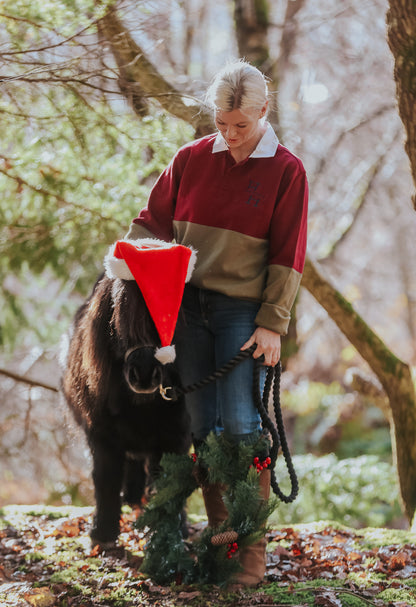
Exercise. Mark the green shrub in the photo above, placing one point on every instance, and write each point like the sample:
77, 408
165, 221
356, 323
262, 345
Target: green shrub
326, 419
358, 492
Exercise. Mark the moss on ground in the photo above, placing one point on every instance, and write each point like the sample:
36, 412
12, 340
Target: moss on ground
51, 546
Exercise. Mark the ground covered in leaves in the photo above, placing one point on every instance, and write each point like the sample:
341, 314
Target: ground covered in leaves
46, 560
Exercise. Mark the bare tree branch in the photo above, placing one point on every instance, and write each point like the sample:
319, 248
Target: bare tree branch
331, 150
26, 380
22, 20
363, 186
138, 71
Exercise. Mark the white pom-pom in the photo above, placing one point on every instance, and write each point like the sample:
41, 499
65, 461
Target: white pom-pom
165, 355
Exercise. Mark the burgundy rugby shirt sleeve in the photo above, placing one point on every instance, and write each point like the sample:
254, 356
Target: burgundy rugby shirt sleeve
287, 250
156, 219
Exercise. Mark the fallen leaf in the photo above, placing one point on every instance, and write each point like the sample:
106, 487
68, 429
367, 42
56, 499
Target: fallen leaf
189, 596
281, 551
95, 551
327, 598
71, 527
340, 539
399, 560
40, 597
355, 556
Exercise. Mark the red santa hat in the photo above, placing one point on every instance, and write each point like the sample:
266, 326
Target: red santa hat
161, 270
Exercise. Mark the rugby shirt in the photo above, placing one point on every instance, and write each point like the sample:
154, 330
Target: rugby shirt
246, 220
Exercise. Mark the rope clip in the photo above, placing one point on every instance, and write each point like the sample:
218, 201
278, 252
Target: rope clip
163, 392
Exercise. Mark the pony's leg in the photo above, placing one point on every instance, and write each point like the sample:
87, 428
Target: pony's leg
107, 476
134, 483
153, 470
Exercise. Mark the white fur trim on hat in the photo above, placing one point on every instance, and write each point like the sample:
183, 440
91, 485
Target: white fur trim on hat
191, 264
166, 354
115, 267
118, 268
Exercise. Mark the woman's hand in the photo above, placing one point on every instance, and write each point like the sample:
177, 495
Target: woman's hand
268, 343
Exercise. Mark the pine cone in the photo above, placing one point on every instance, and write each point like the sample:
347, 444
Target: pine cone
226, 537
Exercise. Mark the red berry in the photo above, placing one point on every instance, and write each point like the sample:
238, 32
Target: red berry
256, 460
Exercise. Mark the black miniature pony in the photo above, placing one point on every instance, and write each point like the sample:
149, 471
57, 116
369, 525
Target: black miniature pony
114, 385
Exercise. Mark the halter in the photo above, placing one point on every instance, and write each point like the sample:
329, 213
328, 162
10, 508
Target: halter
162, 389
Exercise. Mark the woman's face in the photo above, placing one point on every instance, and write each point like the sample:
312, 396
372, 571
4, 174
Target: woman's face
241, 131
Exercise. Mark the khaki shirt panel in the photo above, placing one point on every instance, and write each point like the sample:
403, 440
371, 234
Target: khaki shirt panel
228, 262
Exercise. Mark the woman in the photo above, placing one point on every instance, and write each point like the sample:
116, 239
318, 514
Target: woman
240, 199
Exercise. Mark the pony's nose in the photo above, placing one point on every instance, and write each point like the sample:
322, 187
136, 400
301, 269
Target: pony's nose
157, 376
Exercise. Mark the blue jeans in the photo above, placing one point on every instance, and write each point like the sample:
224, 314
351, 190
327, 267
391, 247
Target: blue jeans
211, 330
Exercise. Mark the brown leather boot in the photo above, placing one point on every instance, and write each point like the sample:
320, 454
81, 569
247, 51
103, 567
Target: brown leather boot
253, 558
214, 505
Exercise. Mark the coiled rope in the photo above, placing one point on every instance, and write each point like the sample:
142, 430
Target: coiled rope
277, 432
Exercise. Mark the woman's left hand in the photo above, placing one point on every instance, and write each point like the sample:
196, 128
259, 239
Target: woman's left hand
268, 343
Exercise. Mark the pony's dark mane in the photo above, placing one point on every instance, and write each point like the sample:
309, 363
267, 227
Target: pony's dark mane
112, 320
131, 320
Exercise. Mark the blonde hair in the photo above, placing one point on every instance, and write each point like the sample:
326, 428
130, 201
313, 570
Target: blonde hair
237, 86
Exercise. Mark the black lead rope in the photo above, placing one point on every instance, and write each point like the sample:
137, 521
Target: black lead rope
277, 433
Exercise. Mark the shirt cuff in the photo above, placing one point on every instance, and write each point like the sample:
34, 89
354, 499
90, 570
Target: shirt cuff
273, 317
137, 231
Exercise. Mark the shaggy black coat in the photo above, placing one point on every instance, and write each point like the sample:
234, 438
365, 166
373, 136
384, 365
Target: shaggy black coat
114, 396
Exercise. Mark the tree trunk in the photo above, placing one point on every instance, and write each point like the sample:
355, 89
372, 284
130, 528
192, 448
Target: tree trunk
401, 36
393, 374
289, 34
251, 19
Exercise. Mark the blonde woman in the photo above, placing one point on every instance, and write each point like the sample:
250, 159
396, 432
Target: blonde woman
240, 199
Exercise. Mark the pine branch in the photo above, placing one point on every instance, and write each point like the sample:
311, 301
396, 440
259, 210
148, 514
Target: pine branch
62, 201
47, 47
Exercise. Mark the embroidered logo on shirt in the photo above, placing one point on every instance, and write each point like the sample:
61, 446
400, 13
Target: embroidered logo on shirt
254, 196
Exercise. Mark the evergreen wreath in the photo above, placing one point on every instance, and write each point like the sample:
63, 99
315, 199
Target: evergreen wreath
213, 557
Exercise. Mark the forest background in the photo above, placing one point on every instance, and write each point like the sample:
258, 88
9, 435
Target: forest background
96, 98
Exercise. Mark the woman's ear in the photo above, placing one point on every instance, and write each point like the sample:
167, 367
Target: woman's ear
264, 109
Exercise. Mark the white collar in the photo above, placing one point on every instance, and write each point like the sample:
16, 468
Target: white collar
266, 147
